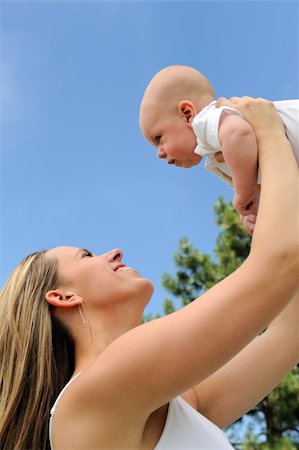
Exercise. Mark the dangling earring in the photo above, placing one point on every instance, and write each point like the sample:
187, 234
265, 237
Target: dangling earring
80, 307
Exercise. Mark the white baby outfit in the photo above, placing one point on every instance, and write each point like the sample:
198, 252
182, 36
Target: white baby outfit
185, 428
206, 125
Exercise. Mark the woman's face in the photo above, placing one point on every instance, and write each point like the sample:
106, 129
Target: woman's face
102, 280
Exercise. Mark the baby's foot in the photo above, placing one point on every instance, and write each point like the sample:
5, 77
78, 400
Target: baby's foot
248, 222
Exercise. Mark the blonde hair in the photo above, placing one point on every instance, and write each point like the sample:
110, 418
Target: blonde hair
36, 354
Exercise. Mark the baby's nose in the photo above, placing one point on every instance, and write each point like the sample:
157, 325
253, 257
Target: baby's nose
161, 153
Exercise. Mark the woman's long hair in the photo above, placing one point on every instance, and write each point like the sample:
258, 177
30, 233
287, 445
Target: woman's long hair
36, 355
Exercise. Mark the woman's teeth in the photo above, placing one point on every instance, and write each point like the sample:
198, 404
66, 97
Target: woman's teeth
124, 268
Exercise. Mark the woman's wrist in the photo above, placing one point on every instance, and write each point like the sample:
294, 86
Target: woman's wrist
270, 138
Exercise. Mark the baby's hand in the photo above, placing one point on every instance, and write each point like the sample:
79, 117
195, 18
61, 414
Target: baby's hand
219, 157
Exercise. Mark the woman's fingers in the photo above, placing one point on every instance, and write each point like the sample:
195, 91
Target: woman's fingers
222, 101
234, 102
258, 112
244, 100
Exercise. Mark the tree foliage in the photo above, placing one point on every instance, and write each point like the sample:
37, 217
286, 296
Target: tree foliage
277, 416
197, 271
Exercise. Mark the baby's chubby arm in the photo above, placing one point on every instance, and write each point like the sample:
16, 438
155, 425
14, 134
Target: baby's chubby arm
239, 149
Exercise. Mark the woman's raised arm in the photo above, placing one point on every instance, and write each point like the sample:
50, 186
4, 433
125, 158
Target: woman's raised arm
147, 366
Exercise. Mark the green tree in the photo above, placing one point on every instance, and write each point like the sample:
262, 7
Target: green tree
277, 416
252, 443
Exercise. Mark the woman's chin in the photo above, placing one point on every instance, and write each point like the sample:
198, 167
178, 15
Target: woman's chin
149, 287
147, 290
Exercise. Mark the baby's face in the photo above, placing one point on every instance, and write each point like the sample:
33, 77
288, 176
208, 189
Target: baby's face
174, 140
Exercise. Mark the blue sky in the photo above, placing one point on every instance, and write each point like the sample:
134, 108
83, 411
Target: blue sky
75, 169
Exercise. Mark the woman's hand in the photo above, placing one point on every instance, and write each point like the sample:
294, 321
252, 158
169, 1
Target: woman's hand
259, 113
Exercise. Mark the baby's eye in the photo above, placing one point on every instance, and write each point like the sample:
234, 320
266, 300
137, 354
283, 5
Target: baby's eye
157, 139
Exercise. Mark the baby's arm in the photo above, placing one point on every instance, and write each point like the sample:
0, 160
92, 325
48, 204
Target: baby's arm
239, 149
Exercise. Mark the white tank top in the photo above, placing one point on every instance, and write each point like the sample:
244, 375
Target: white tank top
185, 428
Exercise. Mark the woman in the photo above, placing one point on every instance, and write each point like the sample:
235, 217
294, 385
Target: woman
67, 313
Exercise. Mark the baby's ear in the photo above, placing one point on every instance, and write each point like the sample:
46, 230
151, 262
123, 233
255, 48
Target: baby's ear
187, 109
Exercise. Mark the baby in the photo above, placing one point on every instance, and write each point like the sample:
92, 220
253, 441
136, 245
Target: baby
178, 115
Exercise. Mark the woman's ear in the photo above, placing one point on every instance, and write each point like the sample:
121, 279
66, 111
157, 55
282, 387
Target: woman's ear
187, 110
61, 300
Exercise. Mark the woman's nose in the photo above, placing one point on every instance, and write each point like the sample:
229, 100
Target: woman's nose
161, 153
115, 255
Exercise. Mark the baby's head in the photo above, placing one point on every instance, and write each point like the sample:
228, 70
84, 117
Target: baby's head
171, 101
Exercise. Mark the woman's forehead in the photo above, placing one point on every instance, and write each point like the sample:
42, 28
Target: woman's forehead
63, 251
